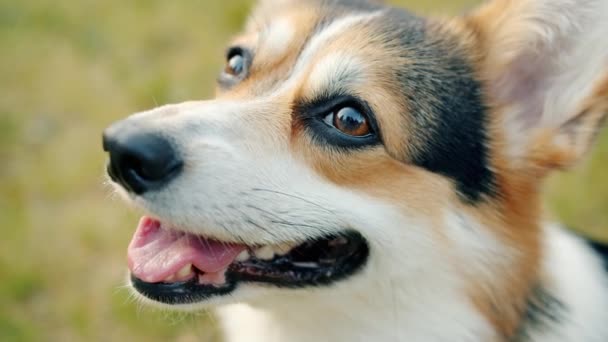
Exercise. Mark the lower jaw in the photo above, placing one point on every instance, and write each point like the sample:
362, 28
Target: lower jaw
178, 293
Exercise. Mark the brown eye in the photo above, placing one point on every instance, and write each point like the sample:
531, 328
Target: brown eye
350, 121
235, 65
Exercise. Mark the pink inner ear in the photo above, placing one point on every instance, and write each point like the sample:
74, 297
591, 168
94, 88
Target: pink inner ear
523, 84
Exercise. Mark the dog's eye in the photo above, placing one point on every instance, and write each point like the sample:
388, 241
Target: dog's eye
342, 121
238, 61
350, 121
235, 65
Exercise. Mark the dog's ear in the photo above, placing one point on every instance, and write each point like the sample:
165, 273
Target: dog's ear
546, 67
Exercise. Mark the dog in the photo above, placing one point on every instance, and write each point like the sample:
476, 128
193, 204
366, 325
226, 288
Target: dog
366, 174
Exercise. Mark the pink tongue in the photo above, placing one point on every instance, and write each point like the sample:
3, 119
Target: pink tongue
154, 254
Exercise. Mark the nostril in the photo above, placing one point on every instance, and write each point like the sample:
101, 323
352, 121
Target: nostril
151, 170
133, 164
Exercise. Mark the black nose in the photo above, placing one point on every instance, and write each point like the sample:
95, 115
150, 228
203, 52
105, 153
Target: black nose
140, 161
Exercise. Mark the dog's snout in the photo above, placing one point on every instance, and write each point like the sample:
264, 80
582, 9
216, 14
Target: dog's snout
140, 161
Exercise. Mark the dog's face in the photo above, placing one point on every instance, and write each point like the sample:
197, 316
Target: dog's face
351, 144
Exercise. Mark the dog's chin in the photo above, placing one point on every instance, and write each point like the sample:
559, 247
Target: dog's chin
180, 269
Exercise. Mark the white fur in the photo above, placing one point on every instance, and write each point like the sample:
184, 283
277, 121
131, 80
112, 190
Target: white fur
336, 73
475, 250
277, 37
575, 276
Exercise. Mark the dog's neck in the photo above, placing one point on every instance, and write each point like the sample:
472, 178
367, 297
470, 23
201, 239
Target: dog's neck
432, 307
379, 316
384, 311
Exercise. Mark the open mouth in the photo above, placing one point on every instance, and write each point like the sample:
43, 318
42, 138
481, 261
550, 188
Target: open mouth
175, 267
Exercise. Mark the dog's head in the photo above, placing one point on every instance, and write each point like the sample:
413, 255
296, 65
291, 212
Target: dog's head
352, 143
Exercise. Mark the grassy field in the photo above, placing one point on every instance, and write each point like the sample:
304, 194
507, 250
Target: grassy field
68, 69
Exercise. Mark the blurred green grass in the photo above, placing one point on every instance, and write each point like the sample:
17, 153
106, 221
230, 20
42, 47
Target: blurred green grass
68, 69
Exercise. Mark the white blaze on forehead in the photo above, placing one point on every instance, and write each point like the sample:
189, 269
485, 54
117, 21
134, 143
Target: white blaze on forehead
323, 37
335, 73
331, 32
277, 37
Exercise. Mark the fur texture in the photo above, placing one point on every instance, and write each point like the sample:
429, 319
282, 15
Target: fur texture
472, 113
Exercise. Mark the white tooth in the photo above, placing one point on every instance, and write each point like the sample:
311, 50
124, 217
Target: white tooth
217, 279
282, 249
306, 264
170, 279
184, 272
243, 256
264, 253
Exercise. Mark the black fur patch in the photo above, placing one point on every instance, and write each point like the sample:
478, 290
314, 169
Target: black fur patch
445, 103
543, 310
601, 250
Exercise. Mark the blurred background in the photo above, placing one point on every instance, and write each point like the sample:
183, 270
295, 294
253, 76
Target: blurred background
67, 70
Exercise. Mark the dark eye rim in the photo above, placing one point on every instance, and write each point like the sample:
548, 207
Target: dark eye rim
227, 80
311, 115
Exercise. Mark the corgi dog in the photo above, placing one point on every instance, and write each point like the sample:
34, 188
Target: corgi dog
366, 174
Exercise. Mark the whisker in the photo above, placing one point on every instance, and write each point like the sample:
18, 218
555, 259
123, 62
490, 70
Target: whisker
293, 196
276, 219
253, 223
